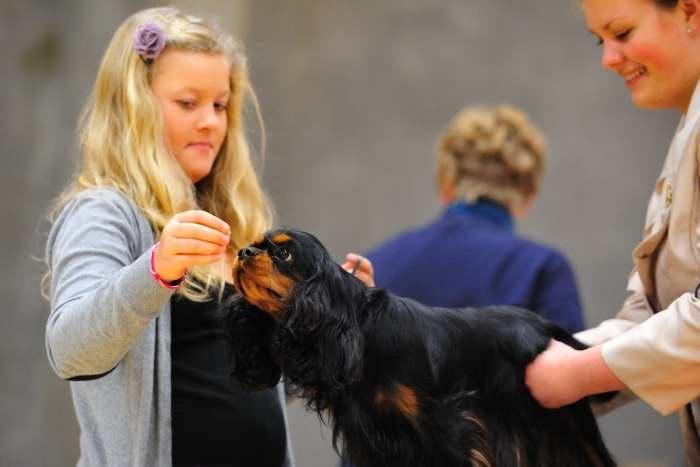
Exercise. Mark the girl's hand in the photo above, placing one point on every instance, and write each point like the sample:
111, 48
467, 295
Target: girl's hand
361, 267
190, 238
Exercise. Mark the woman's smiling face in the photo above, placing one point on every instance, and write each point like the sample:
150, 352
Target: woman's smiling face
649, 46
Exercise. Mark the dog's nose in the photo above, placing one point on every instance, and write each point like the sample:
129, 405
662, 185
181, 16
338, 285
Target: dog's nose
248, 252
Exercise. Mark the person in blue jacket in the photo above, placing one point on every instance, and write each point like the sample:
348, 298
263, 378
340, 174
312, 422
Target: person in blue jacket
489, 167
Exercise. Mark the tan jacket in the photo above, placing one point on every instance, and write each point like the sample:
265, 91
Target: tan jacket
653, 344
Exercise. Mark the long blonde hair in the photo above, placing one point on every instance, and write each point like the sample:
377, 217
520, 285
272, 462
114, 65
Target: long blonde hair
491, 152
122, 141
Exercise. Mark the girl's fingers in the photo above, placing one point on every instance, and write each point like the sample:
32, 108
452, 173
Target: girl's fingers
196, 260
177, 256
203, 218
190, 246
189, 230
190, 238
176, 253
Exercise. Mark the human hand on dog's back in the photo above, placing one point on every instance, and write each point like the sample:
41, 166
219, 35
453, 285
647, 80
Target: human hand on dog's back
363, 269
561, 375
190, 238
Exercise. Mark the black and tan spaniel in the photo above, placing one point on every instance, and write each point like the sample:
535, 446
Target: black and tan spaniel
402, 384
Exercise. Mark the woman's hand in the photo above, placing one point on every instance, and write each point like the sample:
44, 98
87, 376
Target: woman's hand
190, 238
561, 375
551, 377
360, 267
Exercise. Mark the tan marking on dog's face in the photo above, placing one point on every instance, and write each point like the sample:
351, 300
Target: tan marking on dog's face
261, 284
281, 238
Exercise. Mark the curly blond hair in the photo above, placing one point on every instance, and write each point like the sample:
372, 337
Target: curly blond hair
123, 145
491, 152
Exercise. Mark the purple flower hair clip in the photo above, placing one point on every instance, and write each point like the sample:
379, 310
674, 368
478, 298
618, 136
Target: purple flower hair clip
149, 41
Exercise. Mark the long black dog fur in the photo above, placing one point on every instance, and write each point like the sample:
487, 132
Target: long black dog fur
401, 383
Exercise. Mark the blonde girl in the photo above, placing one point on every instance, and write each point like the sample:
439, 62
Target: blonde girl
140, 248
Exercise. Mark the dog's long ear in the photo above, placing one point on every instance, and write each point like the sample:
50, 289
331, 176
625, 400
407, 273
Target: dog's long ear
321, 335
250, 330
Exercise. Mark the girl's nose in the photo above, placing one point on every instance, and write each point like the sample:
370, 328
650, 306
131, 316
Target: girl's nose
208, 119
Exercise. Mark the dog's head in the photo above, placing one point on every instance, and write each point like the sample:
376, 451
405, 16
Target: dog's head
268, 271
289, 275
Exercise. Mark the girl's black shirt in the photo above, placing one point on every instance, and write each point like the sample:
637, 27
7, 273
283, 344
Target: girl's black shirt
215, 422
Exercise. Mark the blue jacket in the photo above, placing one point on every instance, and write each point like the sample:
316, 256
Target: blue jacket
470, 256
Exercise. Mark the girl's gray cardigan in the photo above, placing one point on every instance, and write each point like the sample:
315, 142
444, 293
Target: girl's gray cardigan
109, 331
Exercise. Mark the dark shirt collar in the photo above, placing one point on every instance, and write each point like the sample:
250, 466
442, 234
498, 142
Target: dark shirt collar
483, 209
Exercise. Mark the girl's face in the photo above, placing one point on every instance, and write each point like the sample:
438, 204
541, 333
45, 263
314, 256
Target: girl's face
192, 89
649, 47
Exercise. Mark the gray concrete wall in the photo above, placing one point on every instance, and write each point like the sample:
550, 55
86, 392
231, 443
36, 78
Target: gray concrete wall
354, 94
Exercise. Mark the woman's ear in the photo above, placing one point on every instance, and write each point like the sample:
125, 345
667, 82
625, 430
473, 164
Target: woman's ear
691, 14
523, 209
447, 195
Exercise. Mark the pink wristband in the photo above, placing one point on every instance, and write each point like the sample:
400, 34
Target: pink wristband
156, 277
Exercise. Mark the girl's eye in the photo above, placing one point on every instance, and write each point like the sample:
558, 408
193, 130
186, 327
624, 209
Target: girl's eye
186, 104
221, 106
283, 254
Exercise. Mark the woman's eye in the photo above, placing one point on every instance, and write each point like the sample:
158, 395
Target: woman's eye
621, 36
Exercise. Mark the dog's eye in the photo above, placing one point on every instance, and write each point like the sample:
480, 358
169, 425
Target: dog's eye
283, 254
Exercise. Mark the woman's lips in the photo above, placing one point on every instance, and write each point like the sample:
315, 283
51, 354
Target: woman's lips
633, 77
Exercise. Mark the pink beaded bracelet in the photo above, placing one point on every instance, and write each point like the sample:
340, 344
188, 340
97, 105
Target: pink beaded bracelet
156, 277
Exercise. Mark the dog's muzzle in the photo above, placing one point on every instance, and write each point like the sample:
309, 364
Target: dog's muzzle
248, 252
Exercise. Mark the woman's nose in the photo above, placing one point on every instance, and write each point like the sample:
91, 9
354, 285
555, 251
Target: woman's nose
612, 56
